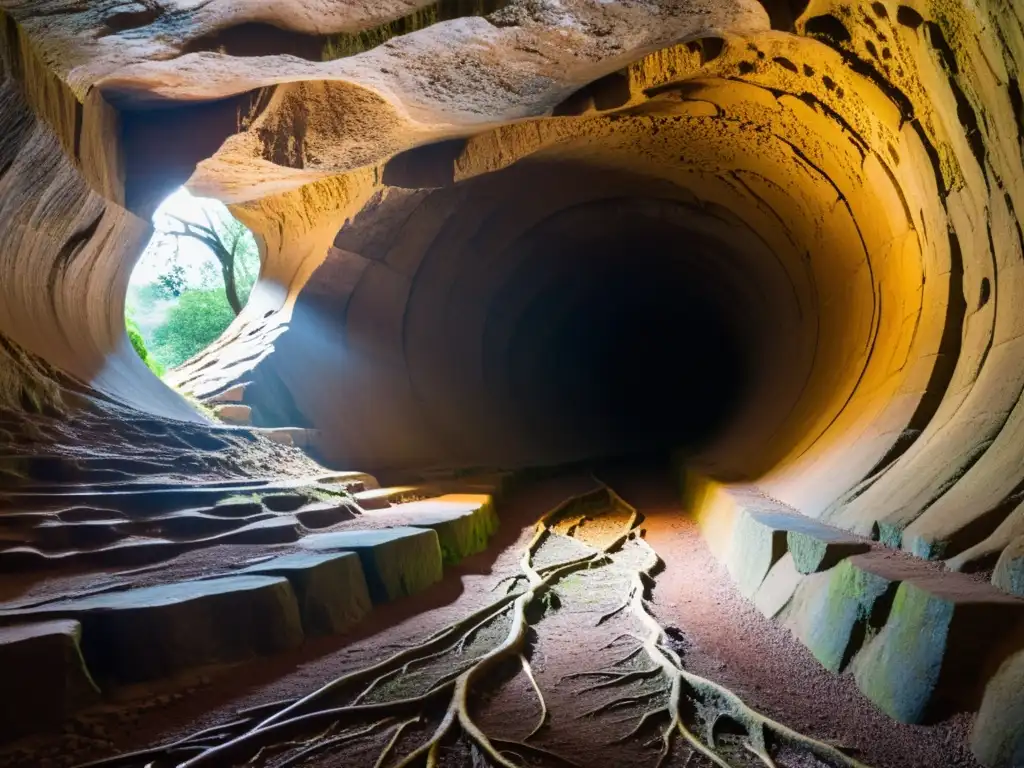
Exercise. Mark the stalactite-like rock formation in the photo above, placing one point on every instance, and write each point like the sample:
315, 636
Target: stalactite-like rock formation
785, 239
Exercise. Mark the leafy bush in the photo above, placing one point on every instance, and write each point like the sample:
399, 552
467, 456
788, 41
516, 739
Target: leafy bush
139, 344
199, 317
185, 307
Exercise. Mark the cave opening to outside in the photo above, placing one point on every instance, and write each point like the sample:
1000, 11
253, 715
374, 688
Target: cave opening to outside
191, 281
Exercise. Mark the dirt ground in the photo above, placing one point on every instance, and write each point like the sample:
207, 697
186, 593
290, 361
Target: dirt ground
715, 632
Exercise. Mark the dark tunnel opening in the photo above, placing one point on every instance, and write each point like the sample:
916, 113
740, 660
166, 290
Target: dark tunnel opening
627, 341
638, 361
582, 307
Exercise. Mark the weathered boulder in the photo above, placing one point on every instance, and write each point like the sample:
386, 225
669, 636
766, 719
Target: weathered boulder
1009, 571
817, 547
834, 613
778, 586
997, 738
759, 541
765, 531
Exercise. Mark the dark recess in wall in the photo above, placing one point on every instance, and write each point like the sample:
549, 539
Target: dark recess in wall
828, 27
427, 167
260, 39
163, 146
784, 13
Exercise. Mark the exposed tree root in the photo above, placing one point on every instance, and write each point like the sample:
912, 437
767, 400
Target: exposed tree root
405, 708
761, 731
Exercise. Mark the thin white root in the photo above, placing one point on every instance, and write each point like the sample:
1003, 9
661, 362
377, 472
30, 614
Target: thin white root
394, 740
540, 697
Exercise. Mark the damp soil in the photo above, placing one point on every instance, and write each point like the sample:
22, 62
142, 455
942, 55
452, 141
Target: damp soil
716, 632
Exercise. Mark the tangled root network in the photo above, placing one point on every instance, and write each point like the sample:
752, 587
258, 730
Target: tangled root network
418, 705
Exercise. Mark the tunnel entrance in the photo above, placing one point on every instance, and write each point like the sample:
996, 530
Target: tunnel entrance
190, 283
633, 352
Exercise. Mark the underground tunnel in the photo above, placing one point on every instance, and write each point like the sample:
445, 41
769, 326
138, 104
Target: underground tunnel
624, 384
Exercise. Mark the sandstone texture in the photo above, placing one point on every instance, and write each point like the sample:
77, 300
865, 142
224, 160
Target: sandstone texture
330, 589
782, 238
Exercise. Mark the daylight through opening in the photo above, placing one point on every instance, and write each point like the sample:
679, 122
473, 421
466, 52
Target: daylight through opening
191, 282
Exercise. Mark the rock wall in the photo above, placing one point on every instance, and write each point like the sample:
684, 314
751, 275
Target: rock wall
826, 212
835, 206
786, 240
77, 406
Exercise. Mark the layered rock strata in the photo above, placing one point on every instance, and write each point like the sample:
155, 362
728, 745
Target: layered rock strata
784, 238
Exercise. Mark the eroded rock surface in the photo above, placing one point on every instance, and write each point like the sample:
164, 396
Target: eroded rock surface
784, 239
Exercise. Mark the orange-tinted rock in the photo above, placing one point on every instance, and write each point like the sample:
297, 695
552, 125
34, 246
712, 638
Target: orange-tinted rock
550, 234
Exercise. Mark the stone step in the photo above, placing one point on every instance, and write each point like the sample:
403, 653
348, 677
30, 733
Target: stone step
300, 437
284, 501
921, 642
382, 498
234, 413
144, 500
235, 508
233, 394
89, 515
330, 588
190, 525
58, 535
324, 514
463, 522
943, 638
155, 632
396, 561
350, 480
45, 678
766, 530
139, 550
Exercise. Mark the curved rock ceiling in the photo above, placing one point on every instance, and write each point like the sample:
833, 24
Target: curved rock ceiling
785, 240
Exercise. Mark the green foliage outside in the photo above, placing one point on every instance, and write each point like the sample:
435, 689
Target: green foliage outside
199, 317
186, 306
139, 343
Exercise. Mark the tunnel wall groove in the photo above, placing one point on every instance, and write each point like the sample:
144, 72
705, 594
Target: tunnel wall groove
811, 236
872, 155
876, 149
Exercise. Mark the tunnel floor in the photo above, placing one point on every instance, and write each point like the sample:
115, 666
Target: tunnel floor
606, 699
